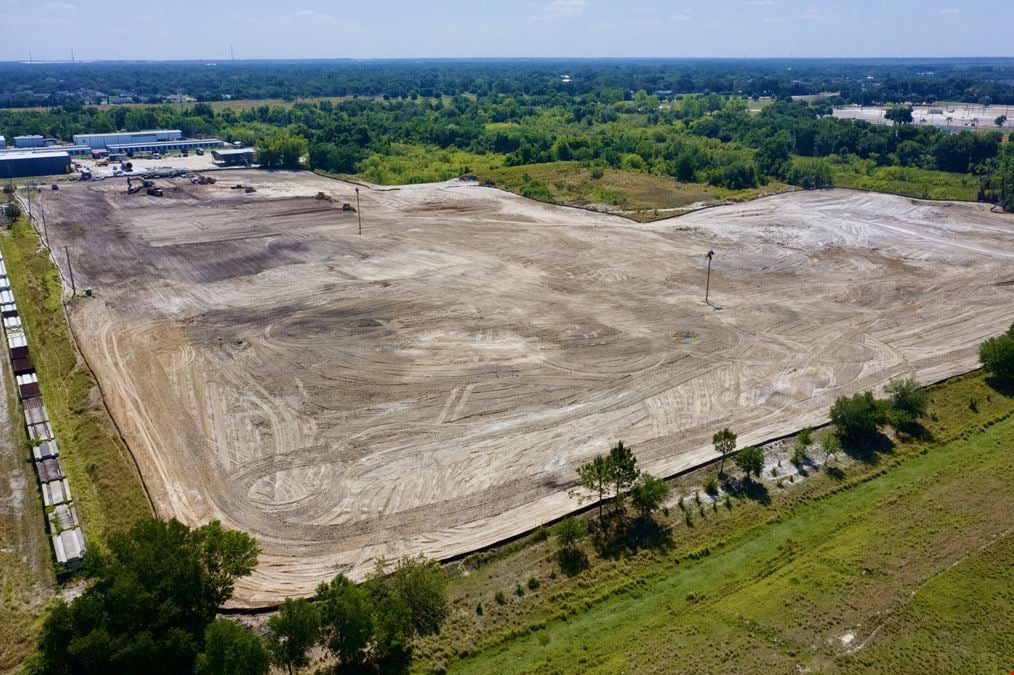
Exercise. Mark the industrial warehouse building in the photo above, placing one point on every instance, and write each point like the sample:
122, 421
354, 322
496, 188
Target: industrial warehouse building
35, 141
27, 164
103, 141
72, 150
163, 146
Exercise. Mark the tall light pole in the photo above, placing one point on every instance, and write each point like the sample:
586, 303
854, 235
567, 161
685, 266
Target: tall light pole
359, 212
707, 287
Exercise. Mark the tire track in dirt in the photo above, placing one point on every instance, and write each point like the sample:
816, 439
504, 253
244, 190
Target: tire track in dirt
431, 385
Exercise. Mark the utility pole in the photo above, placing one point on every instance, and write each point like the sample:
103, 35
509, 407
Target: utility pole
359, 212
70, 270
45, 232
707, 287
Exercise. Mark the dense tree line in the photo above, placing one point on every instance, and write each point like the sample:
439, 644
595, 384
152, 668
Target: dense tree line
699, 138
151, 601
857, 81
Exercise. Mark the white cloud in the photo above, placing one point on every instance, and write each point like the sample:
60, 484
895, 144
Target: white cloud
677, 18
561, 8
59, 7
813, 13
310, 15
950, 10
760, 3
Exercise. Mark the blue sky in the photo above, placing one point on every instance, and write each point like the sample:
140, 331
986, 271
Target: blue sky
204, 29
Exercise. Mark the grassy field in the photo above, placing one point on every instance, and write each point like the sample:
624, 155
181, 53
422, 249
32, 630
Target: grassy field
896, 561
640, 196
104, 481
908, 182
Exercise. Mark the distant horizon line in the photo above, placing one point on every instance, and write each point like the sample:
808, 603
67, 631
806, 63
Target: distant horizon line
354, 59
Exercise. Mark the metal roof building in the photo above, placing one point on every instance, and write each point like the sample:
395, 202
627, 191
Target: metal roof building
164, 146
232, 157
102, 141
3, 142
27, 164
33, 141
72, 150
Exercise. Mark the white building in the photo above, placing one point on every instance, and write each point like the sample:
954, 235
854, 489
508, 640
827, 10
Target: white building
103, 141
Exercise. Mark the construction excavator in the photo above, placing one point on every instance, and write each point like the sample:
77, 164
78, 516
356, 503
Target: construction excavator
143, 184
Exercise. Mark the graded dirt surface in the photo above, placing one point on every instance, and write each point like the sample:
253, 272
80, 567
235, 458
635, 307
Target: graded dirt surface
431, 385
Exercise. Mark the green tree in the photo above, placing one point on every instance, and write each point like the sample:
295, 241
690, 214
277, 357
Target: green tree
281, 150
569, 531
858, 417
648, 494
422, 585
809, 173
908, 401
571, 558
831, 446
899, 114
293, 631
1002, 180
148, 602
224, 555
12, 212
737, 175
596, 476
997, 355
725, 444
346, 620
773, 155
392, 634
751, 460
623, 467
230, 649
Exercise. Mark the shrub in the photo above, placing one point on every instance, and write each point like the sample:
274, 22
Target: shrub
500, 598
997, 355
805, 437
799, 455
711, 486
533, 583
908, 402
858, 417
809, 173
478, 609
519, 591
751, 460
570, 531
541, 534
736, 176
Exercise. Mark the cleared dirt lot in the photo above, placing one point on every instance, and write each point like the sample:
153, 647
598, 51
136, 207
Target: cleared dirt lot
430, 385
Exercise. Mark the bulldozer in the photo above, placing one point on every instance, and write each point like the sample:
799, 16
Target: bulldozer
155, 192
348, 207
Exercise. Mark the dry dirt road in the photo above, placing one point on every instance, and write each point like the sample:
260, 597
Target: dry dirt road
430, 386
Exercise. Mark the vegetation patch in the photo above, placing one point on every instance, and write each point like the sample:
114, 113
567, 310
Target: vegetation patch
905, 181
107, 490
832, 563
642, 196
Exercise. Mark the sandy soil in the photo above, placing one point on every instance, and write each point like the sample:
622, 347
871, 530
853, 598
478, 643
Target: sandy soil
429, 386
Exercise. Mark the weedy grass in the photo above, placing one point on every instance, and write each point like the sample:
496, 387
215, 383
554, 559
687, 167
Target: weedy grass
827, 576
